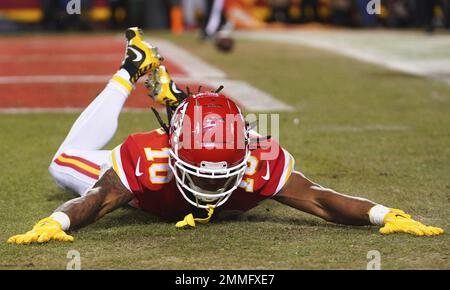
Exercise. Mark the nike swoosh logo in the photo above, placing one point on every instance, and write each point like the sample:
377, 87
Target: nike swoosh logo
267, 176
137, 172
137, 53
174, 88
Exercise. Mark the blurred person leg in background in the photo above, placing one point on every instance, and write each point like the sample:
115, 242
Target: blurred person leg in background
400, 13
214, 18
436, 13
445, 7
191, 10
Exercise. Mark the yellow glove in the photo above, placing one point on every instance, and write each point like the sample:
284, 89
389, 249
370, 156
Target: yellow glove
397, 221
45, 230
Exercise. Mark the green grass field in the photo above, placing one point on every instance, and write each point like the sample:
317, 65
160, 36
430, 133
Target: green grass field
363, 130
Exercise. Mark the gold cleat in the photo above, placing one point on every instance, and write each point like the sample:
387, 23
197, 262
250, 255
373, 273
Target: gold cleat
140, 56
162, 88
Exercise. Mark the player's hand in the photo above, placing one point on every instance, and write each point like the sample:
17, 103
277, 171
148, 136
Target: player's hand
397, 221
45, 230
162, 89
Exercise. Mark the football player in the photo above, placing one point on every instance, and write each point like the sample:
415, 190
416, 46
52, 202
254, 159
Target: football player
184, 171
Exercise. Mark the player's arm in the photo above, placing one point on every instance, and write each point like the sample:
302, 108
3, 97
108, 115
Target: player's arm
107, 195
305, 195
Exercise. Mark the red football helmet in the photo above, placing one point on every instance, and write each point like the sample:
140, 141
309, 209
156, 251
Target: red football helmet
209, 148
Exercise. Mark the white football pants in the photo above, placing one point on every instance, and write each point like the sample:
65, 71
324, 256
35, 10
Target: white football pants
79, 161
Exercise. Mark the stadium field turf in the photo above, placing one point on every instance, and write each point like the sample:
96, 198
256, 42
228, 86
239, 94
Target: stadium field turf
355, 127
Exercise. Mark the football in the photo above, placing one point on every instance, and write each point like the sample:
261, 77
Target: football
224, 43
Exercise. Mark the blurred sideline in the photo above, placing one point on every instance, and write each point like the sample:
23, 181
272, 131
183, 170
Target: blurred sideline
182, 15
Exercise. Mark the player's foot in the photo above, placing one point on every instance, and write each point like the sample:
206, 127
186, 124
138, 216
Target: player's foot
140, 56
162, 89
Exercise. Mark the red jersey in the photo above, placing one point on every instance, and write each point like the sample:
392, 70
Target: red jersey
141, 162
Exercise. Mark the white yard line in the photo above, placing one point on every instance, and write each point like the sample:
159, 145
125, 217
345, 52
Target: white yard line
192, 65
55, 79
14, 111
107, 57
246, 95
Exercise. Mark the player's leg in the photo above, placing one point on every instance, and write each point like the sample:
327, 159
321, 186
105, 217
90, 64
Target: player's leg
215, 17
98, 122
78, 162
162, 89
79, 170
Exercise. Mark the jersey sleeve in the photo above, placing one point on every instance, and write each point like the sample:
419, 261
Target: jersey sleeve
141, 161
268, 170
124, 158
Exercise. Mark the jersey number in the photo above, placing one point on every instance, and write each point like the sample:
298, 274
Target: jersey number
248, 183
158, 172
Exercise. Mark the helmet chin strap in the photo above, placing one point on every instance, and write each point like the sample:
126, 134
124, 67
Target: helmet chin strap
189, 220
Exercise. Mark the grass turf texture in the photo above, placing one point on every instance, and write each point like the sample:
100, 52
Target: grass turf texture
363, 130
